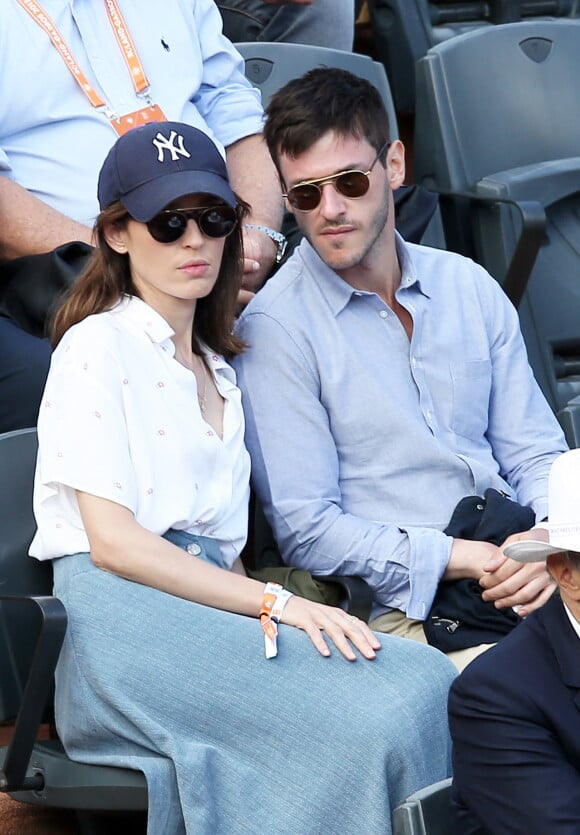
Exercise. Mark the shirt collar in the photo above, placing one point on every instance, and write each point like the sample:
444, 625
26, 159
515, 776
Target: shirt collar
573, 621
146, 319
337, 291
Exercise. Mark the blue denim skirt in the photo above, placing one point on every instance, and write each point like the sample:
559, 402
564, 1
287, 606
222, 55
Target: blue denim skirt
231, 742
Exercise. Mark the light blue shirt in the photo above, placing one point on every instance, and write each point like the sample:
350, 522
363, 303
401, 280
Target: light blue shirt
363, 443
53, 142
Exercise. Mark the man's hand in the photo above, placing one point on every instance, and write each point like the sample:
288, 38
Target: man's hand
468, 558
259, 255
507, 582
254, 178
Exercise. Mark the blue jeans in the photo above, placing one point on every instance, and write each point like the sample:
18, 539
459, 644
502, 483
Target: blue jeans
328, 23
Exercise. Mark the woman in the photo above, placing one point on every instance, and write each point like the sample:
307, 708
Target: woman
141, 501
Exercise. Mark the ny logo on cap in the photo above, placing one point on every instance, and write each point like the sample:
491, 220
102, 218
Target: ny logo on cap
162, 144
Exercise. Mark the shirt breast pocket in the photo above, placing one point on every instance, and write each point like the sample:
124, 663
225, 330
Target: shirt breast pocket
471, 381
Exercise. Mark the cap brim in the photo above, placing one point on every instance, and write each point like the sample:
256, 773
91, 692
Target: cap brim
531, 550
147, 200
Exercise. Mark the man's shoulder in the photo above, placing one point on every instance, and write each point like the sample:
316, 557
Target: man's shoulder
284, 295
437, 265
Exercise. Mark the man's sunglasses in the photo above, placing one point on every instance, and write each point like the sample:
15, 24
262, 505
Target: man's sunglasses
214, 221
307, 195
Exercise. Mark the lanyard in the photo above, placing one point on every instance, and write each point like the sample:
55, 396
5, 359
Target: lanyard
134, 65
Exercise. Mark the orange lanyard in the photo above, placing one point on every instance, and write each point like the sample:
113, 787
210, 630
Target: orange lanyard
134, 65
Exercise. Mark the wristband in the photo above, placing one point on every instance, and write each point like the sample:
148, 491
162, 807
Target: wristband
273, 602
277, 237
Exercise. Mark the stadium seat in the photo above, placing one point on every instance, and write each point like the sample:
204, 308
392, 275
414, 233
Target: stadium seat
497, 128
426, 812
32, 629
270, 66
405, 29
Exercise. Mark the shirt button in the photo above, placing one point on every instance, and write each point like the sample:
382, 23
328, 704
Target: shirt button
383, 314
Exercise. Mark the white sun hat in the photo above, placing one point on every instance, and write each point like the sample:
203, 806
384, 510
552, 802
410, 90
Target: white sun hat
564, 513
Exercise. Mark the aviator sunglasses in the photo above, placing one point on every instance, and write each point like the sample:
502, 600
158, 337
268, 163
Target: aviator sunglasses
214, 221
307, 195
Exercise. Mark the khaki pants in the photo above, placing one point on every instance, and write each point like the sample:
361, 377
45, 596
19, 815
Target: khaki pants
397, 623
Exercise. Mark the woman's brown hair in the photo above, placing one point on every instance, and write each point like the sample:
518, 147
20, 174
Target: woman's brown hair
107, 278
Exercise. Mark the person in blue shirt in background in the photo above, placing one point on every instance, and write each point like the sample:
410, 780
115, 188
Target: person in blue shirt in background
385, 381
54, 138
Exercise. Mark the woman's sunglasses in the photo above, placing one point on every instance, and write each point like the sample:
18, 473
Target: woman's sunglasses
306, 196
214, 221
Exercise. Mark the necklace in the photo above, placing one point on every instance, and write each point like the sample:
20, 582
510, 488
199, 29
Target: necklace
202, 398
190, 365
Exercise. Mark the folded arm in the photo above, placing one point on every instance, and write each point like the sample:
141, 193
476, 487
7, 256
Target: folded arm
28, 226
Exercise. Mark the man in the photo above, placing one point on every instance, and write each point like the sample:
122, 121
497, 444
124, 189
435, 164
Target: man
384, 381
515, 712
59, 119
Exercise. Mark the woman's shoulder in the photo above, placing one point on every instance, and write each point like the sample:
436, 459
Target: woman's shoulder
100, 330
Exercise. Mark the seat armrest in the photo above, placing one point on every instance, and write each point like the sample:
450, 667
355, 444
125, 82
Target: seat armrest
426, 811
36, 691
531, 237
358, 593
547, 182
569, 418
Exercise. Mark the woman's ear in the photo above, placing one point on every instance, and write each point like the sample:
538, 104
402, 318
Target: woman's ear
396, 164
116, 235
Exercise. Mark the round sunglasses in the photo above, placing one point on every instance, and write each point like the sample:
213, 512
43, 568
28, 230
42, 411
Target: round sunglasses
353, 183
214, 221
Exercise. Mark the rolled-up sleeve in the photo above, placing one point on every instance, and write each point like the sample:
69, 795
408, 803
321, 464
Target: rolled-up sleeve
226, 100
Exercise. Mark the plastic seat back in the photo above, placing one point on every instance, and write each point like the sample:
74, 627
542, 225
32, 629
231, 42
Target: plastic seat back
269, 66
498, 117
19, 573
404, 30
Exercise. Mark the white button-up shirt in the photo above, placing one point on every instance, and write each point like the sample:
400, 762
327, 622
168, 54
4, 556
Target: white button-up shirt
120, 419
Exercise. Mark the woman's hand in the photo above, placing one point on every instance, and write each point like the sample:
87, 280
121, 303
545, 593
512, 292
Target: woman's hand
340, 627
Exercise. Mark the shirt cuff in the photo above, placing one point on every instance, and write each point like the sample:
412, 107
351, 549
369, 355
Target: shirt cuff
429, 556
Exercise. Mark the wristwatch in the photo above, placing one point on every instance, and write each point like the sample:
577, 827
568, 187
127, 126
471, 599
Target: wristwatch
277, 237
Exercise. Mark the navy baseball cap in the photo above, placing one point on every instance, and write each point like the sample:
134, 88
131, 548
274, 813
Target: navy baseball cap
151, 166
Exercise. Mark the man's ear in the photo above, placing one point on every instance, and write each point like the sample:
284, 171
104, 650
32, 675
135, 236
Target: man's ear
283, 190
396, 164
565, 573
115, 235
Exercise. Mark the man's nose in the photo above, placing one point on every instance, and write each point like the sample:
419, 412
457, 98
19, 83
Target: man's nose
332, 202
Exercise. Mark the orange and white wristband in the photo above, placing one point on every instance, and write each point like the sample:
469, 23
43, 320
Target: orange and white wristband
273, 602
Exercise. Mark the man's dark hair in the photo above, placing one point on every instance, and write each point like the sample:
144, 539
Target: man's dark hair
322, 100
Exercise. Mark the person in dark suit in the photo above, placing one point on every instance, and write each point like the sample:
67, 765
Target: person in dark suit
515, 711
